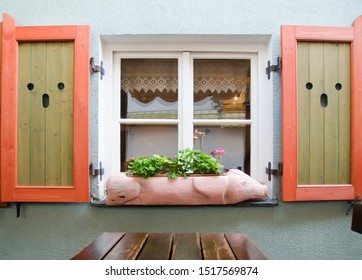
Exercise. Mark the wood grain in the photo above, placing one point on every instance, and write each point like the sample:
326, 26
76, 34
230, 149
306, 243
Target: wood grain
176, 246
187, 247
243, 247
129, 247
215, 247
157, 247
97, 249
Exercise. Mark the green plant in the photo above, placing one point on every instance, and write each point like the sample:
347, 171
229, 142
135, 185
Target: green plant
188, 161
197, 162
150, 166
206, 164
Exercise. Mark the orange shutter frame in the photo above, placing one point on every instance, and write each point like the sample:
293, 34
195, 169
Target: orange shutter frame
11, 36
290, 36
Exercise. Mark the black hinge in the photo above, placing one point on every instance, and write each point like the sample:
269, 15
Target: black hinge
273, 68
274, 172
96, 171
97, 68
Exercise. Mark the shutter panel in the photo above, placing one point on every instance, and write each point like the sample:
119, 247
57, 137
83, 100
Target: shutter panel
45, 113
321, 111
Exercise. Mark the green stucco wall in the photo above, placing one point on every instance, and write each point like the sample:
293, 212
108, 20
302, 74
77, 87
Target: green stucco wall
315, 230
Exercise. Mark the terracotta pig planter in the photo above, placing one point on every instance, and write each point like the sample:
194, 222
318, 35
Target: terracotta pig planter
230, 188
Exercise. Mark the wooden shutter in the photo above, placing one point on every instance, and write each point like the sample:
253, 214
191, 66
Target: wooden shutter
44, 113
321, 112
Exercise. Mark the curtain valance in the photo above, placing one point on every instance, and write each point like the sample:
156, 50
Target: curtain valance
146, 79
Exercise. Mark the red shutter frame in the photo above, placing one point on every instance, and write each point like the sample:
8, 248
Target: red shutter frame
11, 35
290, 35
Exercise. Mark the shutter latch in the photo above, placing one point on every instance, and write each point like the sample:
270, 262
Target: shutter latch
273, 68
274, 172
96, 171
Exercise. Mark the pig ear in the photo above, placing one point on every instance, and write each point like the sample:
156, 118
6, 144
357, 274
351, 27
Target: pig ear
236, 171
246, 179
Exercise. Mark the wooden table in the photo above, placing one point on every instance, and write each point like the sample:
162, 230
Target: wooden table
171, 246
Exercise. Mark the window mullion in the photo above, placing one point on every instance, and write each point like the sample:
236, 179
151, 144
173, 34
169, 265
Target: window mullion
185, 129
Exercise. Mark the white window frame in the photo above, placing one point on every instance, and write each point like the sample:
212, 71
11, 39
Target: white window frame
186, 48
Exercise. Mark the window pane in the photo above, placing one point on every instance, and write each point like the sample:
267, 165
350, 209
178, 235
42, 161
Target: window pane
221, 89
146, 140
149, 88
233, 139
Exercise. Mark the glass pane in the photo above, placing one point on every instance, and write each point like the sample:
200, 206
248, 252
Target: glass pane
221, 89
233, 139
146, 140
149, 88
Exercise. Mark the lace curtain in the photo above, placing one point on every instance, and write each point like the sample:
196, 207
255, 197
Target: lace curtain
147, 79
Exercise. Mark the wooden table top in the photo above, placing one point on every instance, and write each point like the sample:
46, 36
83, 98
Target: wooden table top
171, 246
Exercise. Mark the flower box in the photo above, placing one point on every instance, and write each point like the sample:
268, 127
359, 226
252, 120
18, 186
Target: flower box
232, 187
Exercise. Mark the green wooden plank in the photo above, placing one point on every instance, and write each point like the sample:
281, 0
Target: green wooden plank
331, 114
158, 247
53, 114
37, 116
316, 136
303, 113
187, 247
67, 114
215, 247
24, 95
59, 114
128, 248
344, 69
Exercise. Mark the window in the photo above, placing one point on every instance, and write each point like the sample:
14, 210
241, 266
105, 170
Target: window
220, 100
149, 107
160, 94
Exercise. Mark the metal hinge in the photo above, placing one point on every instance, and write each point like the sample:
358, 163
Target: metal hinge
97, 68
274, 172
273, 68
96, 171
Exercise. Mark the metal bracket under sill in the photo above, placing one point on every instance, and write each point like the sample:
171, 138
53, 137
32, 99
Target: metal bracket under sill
352, 203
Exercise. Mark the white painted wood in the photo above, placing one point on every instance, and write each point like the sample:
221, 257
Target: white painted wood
186, 102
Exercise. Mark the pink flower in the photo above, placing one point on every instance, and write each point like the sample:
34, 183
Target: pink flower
199, 132
218, 152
